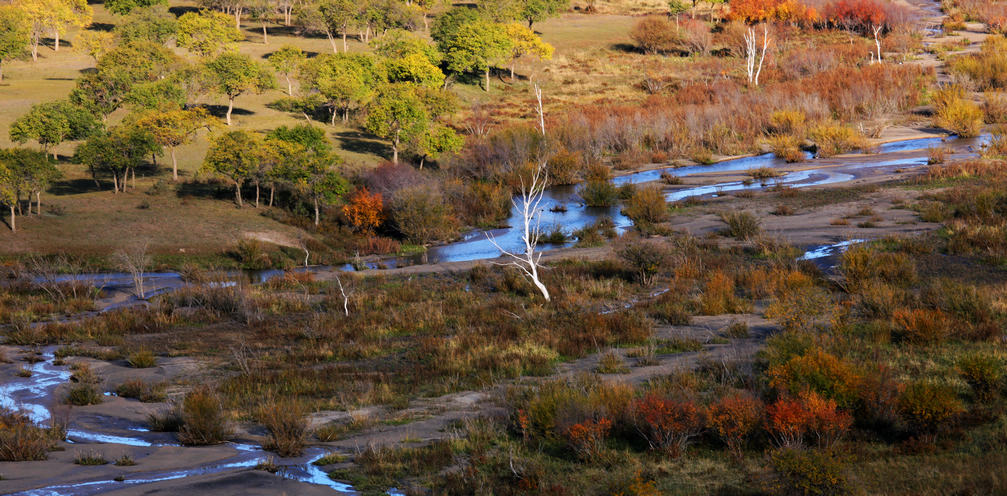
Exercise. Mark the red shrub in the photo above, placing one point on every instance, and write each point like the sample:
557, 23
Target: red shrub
826, 423
667, 424
856, 15
735, 418
787, 421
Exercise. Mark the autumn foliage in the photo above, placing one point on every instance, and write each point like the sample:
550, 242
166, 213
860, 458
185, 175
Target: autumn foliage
363, 211
791, 421
667, 425
587, 438
772, 10
735, 419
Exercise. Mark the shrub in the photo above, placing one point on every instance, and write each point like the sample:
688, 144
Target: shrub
718, 295
140, 390
655, 34
800, 309
422, 215
741, 225
798, 472
364, 211
922, 326
826, 423
862, 264
735, 419
587, 438
644, 258
667, 425
787, 147
167, 420
988, 68
819, 372
20, 439
599, 193
957, 114
611, 363
927, 408
936, 154
995, 107
983, 373
788, 122
565, 167
670, 309
646, 207
287, 426
787, 420
141, 359
203, 420
834, 139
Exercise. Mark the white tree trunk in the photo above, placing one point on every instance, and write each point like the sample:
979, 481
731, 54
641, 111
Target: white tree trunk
532, 192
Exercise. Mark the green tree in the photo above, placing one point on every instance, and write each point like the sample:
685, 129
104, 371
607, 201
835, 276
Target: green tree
287, 61
8, 192
235, 74
207, 33
397, 114
437, 141
119, 151
286, 141
124, 7
446, 26
262, 11
335, 16
235, 155
176, 127
15, 34
104, 90
32, 173
306, 135
501, 10
345, 81
161, 94
310, 173
478, 46
52, 123
155, 24
539, 10
409, 58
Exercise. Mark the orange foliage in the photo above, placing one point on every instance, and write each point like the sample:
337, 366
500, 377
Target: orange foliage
922, 326
787, 420
735, 418
586, 438
777, 10
790, 420
858, 15
364, 211
666, 424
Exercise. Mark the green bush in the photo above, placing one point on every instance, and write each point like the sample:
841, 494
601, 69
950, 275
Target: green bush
646, 207
599, 193
983, 373
800, 472
928, 408
644, 258
741, 225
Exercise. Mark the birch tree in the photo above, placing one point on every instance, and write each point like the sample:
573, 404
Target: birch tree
527, 203
752, 52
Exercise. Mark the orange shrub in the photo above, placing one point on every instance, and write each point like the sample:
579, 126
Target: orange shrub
922, 326
364, 211
825, 422
667, 425
587, 438
735, 418
779, 10
787, 421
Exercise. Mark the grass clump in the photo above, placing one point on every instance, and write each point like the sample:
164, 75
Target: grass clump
141, 359
140, 390
90, 457
741, 225
20, 439
203, 420
287, 426
611, 363
954, 112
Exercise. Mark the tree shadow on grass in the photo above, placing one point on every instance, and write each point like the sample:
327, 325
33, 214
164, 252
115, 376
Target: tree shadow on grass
179, 10
205, 189
220, 111
101, 26
358, 142
76, 187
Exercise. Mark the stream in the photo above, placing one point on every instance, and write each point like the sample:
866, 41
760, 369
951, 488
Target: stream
32, 394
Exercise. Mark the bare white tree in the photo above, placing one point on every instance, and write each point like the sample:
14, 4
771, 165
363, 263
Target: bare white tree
532, 192
345, 294
752, 52
877, 41
135, 261
541, 113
